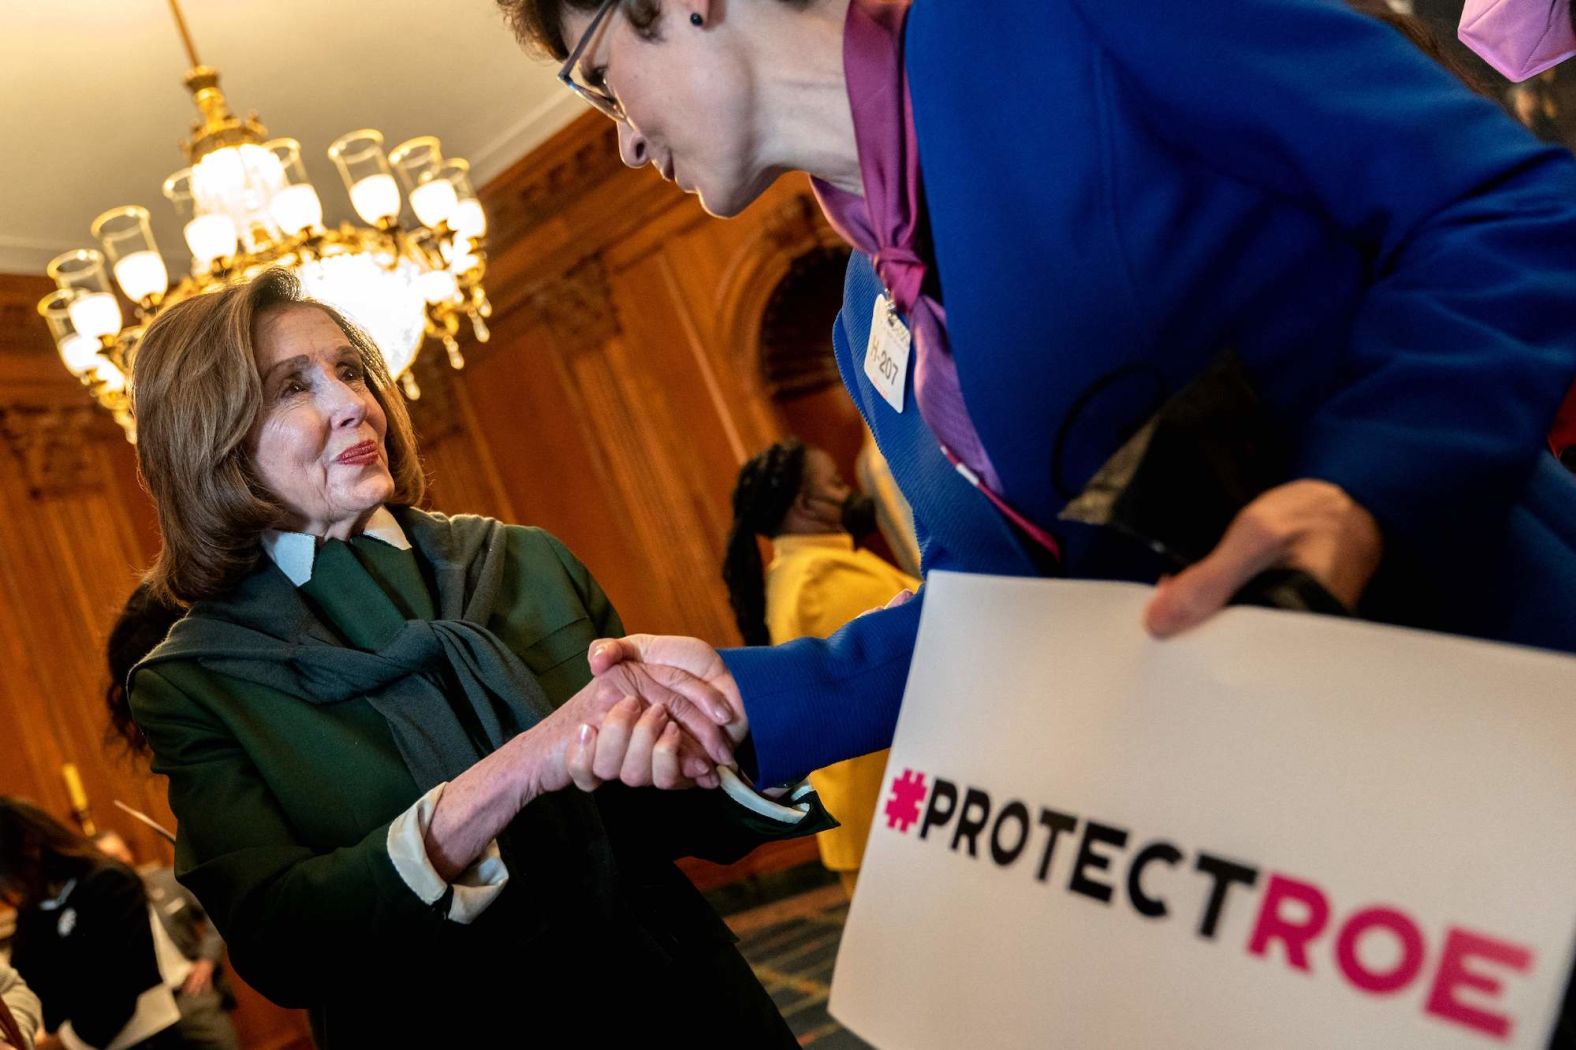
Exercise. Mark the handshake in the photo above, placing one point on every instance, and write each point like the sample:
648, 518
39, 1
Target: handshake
660, 711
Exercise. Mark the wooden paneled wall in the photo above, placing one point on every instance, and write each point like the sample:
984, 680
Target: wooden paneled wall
613, 405
622, 388
75, 532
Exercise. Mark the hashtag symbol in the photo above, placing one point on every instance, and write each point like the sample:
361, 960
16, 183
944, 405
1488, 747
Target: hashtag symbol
908, 791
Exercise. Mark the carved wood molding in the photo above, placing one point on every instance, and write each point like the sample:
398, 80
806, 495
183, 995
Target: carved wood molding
25, 345
796, 226
792, 231
53, 445
578, 307
437, 413
796, 355
570, 166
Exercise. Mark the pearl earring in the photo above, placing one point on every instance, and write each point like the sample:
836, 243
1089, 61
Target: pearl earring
696, 20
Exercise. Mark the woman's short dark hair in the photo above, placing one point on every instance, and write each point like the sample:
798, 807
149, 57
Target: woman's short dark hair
539, 24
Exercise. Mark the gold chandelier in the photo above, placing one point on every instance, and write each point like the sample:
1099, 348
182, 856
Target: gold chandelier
247, 204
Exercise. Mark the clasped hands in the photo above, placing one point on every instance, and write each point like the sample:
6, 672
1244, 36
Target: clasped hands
664, 711
660, 711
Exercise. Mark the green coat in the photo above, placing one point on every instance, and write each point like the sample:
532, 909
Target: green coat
284, 808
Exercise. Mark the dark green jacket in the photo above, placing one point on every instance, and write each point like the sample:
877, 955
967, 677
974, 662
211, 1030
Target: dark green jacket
284, 808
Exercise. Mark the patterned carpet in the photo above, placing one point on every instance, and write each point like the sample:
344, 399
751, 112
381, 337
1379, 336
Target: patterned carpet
791, 942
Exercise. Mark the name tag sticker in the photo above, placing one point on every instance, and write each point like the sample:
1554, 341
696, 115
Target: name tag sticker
886, 358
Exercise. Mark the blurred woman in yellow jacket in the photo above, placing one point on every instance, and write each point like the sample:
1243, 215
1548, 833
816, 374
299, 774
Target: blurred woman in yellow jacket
816, 582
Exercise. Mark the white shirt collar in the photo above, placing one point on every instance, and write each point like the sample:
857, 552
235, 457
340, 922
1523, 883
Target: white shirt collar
294, 552
60, 898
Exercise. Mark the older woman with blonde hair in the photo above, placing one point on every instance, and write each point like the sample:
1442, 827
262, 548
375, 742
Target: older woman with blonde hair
371, 718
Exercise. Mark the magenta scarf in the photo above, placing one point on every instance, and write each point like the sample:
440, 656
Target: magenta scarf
884, 223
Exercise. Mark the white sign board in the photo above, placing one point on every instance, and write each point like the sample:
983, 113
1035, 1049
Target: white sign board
1276, 831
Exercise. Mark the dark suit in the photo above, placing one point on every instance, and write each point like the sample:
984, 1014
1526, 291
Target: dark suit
88, 954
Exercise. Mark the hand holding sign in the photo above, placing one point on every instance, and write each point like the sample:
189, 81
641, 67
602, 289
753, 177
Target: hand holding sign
1277, 830
1309, 525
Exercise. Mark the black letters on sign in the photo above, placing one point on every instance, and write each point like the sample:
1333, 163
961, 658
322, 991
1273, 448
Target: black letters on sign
1056, 823
1019, 814
935, 816
1145, 904
976, 812
1224, 872
1088, 858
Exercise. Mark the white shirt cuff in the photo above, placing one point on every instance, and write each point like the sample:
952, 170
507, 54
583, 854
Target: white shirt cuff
474, 889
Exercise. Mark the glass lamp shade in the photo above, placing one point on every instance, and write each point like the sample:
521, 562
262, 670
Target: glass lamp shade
177, 190
467, 218
439, 286
416, 160
295, 206
92, 308
239, 181
96, 314
433, 202
361, 163
128, 242
375, 198
78, 352
209, 235
142, 275
387, 304
112, 378
80, 270
210, 238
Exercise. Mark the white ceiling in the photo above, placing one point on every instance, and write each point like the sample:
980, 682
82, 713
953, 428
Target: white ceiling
93, 111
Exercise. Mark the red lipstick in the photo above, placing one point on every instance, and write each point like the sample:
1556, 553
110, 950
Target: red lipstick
359, 455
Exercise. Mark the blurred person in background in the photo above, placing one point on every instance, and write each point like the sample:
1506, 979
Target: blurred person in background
85, 942
143, 622
204, 997
817, 581
20, 1013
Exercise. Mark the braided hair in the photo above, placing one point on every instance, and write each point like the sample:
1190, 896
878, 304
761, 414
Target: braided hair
766, 489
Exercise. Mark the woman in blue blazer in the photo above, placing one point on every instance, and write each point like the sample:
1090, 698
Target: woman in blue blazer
1112, 193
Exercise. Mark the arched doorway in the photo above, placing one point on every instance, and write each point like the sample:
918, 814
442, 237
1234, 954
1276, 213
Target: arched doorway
797, 367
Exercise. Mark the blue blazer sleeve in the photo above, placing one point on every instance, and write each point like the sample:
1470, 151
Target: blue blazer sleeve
1463, 346
814, 701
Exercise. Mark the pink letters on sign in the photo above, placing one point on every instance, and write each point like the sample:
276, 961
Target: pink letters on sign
1460, 947
1272, 925
1405, 931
